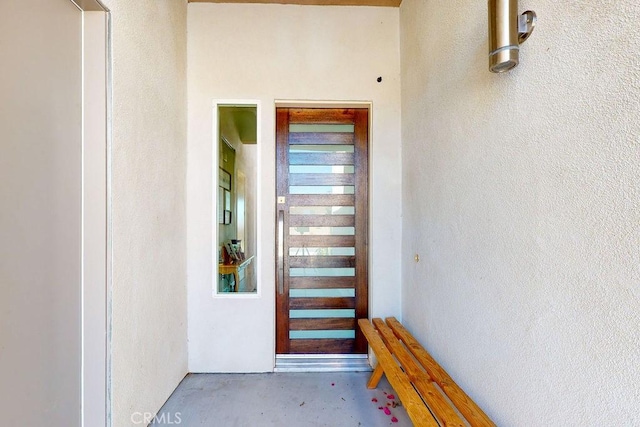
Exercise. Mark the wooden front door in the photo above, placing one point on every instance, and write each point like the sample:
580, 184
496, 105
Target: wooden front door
321, 230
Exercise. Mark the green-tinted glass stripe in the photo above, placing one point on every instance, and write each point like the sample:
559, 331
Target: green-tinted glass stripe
339, 169
322, 314
322, 210
322, 251
322, 189
322, 231
321, 149
321, 293
322, 272
331, 334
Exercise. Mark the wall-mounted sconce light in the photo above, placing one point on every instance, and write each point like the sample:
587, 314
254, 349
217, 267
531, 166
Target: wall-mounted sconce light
507, 31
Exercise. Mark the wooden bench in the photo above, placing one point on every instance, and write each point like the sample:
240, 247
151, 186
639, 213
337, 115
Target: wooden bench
427, 392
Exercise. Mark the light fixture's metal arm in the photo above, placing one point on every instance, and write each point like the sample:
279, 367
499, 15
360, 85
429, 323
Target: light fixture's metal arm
526, 25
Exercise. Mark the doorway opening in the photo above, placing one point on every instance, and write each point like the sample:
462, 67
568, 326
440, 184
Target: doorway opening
321, 234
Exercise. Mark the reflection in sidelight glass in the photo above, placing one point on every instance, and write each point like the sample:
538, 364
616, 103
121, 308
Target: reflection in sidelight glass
237, 199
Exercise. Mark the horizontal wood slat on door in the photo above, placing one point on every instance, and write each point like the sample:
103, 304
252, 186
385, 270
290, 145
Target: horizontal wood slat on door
322, 179
322, 282
339, 159
322, 346
322, 220
320, 303
321, 138
324, 116
322, 241
322, 200
321, 324
322, 261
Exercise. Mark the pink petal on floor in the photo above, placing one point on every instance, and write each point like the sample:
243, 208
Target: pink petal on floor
374, 400
390, 396
380, 407
387, 411
394, 420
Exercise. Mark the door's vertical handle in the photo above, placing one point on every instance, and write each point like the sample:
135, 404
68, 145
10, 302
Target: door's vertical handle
280, 252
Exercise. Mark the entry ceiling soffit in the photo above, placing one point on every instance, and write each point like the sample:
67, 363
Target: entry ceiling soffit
385, 3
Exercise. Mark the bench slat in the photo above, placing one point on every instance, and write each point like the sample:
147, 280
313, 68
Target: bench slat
467, 407
418, 412
420, 379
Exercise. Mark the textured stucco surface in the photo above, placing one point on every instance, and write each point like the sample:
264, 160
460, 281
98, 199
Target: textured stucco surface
268, 53
149, 349
521, 196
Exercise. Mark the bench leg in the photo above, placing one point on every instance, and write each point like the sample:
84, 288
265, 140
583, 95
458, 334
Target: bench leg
376, 376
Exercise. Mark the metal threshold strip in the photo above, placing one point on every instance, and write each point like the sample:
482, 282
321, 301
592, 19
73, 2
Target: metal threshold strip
322, 363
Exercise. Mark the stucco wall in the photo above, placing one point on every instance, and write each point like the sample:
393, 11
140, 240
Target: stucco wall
266, 53
41, 215
149, 329
521, 196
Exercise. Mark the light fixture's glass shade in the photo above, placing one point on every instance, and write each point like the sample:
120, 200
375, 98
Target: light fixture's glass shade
504, 60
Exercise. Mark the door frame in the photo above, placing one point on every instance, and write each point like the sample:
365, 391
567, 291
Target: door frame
293, 363
96, 283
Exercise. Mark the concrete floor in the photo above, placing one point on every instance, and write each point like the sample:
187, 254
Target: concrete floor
281, 399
